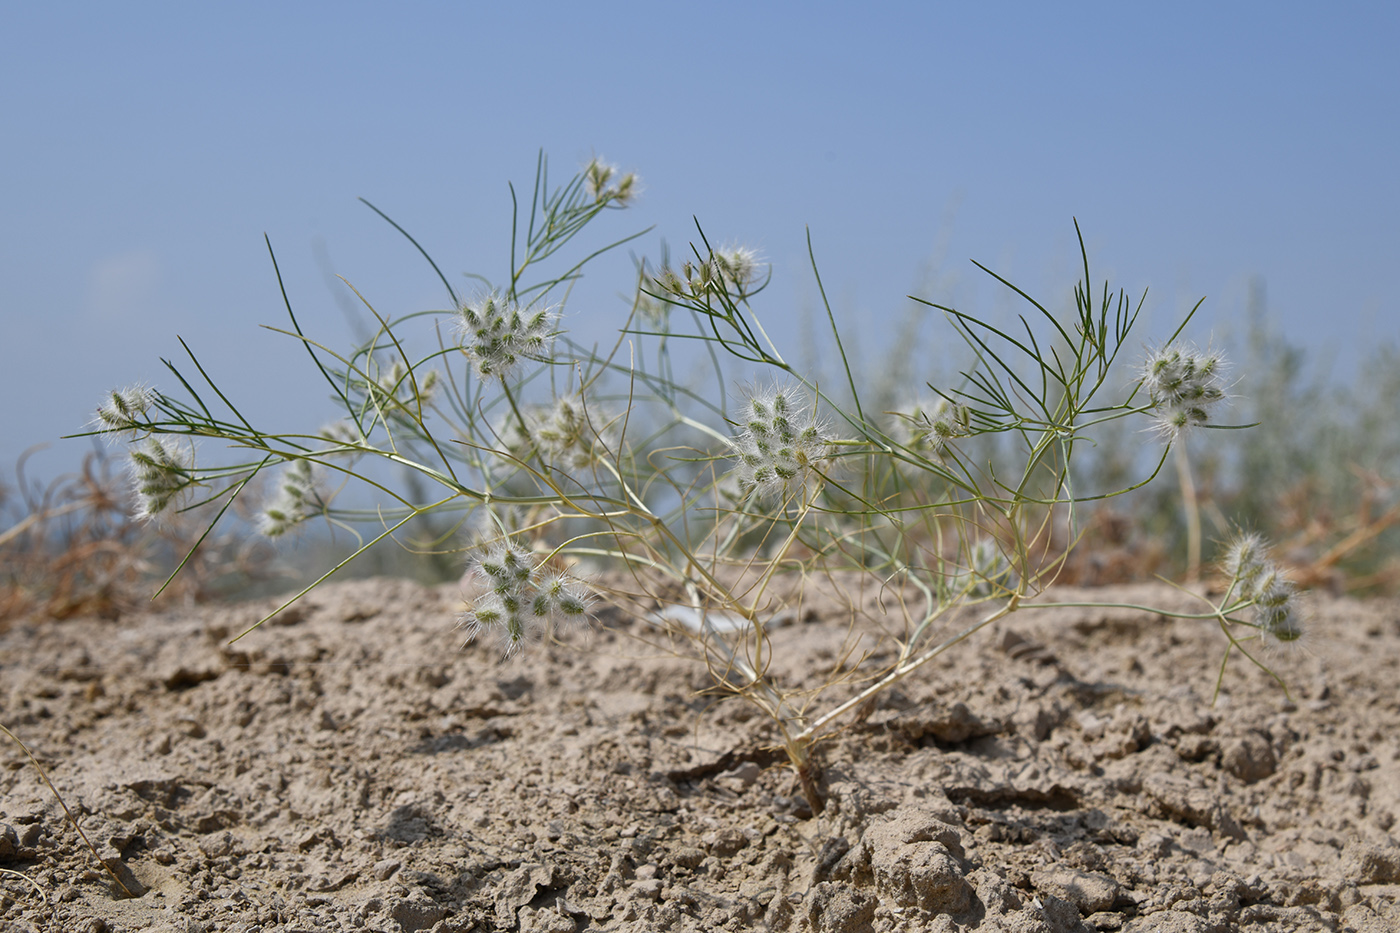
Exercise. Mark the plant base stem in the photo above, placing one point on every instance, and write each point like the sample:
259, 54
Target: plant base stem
809, 776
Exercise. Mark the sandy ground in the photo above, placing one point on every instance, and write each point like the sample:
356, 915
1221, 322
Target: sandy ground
352, 768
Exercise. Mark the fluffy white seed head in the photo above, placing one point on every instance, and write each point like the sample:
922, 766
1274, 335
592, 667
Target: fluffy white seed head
1255, 577
1246, 559
606, 184
519, 599
395, 382
1276, 610
569, 434
945, 423
297, 499
931, 427
121, 412
497, 334
780, 444
564, 434
562, 598
911, 424
162, 472
1183, 385
736, 266
733, 270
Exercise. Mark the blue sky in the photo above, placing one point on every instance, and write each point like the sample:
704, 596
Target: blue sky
149, 147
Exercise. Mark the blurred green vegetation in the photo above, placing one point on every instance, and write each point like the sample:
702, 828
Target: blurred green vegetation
1318, 473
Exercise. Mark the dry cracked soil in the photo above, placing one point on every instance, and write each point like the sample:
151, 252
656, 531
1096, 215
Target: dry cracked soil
349, 766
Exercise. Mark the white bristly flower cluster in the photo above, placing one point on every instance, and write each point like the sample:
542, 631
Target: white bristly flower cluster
944, 423
297, 500
738, 266
520, 598
607, 185
161, 469
121, 412
1257, 578
1183, 384
161, 474
930, 427
496, 333
733, 270
562, 434
396, 383
781, 443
